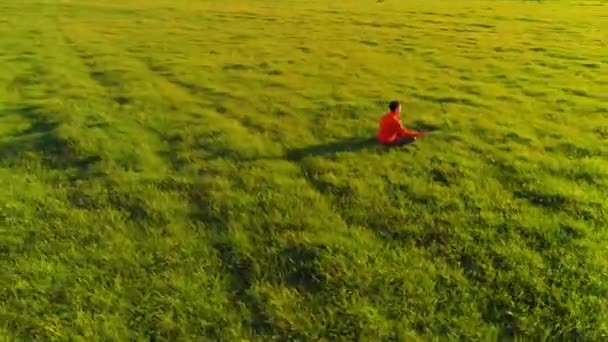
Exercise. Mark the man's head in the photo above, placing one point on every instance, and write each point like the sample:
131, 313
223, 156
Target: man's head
395, 107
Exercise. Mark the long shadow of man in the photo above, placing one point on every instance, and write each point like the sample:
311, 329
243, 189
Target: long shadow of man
344, 145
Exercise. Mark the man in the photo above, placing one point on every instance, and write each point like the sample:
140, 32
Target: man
392, 132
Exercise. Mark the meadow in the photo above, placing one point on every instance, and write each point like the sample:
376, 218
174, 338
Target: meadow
177, 170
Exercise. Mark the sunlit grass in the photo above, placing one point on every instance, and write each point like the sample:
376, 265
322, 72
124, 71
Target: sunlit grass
182, 170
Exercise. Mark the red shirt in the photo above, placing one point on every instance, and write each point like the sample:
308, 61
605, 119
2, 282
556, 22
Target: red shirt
391, 129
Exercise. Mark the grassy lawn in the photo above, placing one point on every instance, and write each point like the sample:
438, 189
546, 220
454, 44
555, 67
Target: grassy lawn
202, 170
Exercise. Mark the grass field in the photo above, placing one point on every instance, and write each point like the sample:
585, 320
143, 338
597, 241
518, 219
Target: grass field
202, 170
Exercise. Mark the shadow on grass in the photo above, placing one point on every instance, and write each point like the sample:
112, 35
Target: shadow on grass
340, 146
42, 139
39, 121
297, 154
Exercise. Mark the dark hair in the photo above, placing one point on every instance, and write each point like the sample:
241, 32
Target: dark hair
393, 105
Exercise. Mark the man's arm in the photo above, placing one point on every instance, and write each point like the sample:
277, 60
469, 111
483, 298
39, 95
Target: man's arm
404, 132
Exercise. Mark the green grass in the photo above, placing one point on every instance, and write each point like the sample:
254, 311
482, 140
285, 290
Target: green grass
201, 170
